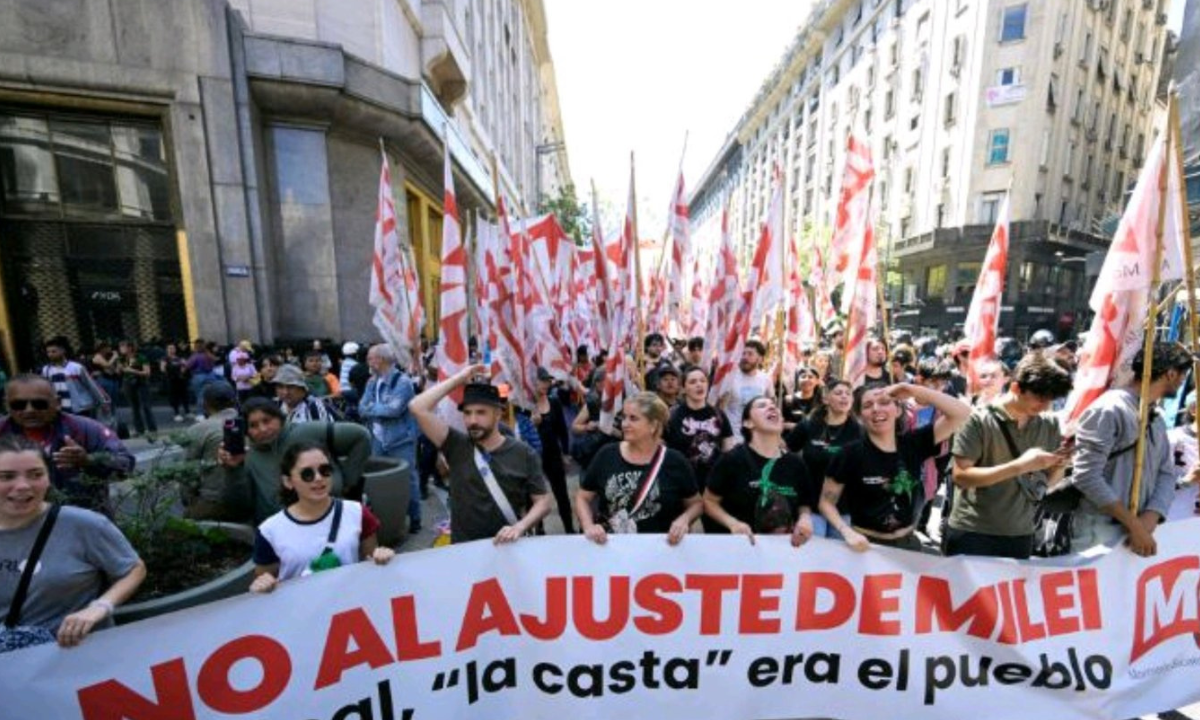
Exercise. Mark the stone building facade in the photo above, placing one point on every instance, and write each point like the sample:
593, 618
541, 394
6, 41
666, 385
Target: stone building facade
960, 101
209, 168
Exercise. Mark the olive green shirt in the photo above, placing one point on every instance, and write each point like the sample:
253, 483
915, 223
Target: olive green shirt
1006, 508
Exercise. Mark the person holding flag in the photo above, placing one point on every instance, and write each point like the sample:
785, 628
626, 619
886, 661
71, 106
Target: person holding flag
1106, 440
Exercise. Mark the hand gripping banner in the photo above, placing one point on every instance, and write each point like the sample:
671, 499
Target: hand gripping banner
558, 627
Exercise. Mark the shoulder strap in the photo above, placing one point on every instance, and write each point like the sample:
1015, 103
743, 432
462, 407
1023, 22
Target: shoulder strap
649, 480
14, 610
493, 487
1008, 438
337, 523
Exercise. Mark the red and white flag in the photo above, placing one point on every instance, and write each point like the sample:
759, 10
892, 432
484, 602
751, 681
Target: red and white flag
699, 306
723, 298
680, 247
394, 292
853, 218
855, 257
1120, 297
452, 354
768, 293
825, 312
506, 313
800, 326
983, 317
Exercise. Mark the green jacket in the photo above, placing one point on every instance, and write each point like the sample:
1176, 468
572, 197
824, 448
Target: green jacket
351, 445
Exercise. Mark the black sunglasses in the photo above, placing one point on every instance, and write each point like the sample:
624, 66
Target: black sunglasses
35, 404
309, 474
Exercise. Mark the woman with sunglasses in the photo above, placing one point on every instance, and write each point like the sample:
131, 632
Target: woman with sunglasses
84, 569
315, 531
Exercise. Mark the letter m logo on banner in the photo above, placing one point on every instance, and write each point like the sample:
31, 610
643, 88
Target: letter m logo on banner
1168, 604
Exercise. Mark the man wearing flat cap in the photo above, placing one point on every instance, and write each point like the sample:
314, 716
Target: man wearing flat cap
497, 487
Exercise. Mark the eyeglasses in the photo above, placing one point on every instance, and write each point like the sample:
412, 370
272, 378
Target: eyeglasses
19, 405
309, 474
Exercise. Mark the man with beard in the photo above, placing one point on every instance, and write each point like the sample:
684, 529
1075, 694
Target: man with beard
877, 362
493, 478
748, 383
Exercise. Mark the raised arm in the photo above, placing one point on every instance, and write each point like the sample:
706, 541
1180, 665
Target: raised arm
952, 412
423, 407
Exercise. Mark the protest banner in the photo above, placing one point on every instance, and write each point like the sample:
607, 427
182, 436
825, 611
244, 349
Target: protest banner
560, 627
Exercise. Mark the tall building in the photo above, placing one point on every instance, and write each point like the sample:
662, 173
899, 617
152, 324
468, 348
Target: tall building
210, 167
961, 101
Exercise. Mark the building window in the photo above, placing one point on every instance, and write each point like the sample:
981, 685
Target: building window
83, 168
998, 147
935, 282
949, 119
989, 207
1012, 27
1008, 76
966, 275
1052, 93
945, 162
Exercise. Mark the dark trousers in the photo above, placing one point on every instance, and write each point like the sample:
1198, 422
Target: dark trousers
139, 402
965, 542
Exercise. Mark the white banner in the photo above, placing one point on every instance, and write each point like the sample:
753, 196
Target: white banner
715, 628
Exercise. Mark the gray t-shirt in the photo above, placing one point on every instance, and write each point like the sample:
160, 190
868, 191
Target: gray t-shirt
474, 514
1006, 508
84, 555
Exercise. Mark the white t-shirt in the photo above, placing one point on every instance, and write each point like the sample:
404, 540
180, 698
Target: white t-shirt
745, 388
1186, 453
295, 543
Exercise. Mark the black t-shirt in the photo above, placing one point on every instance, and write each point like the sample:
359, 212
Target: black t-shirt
736, 479
819, 443
883, 490
796, 408
617, 482
698, 435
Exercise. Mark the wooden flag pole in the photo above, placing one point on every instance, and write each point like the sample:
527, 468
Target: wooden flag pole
638, 351
781, 312
1148, 343
1190, 271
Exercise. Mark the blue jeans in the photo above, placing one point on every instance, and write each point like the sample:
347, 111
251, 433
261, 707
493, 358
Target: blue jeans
197, 384
822, 528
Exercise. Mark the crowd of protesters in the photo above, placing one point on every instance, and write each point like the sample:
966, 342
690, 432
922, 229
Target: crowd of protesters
284, 435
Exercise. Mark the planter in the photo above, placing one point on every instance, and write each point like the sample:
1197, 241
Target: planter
386, 484
232, 583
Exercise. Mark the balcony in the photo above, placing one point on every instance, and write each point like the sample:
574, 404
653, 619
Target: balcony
443, 53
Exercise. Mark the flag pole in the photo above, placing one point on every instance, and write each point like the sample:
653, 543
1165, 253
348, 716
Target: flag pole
1185, 226
1151, 324
639, 354
781, 311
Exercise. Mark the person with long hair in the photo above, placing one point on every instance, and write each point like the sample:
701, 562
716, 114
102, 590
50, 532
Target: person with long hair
759, 487
880, 474
314, 531
85, 569
699, 431
821, 437
639, 484
806, 397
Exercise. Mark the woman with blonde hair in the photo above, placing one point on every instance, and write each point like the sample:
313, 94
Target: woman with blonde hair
639, 485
